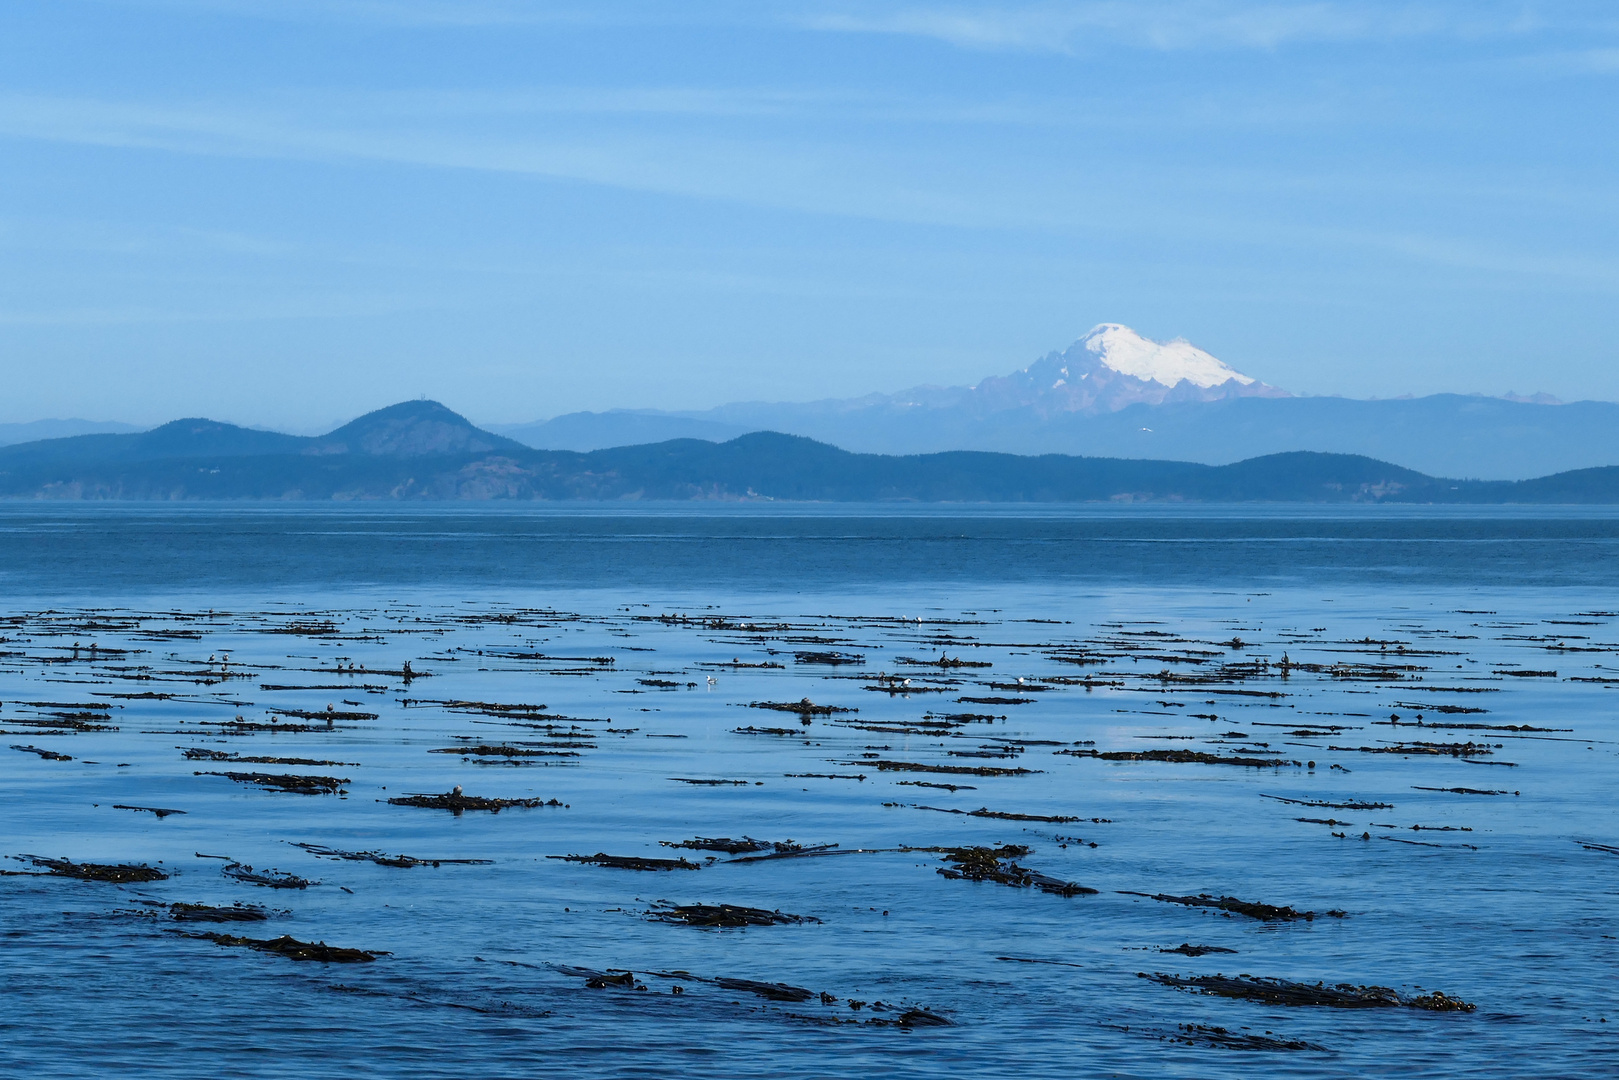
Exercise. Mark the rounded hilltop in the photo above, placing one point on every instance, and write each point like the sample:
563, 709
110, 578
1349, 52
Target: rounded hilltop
410, 429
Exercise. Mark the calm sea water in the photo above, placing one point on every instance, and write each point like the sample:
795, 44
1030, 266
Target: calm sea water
1179, 620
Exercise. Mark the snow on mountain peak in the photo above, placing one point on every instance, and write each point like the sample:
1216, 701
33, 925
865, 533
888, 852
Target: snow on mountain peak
1166, 363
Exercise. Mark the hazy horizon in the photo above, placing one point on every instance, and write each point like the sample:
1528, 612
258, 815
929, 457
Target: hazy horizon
323, 427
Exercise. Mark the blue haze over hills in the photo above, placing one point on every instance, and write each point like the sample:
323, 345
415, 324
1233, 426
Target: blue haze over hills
1116, 415
34, 430
1218, 417
420, 450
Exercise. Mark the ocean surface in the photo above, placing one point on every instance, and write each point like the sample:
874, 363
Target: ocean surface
1044, 792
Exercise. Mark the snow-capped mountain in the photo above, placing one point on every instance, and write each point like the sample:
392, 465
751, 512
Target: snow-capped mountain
1113, 367
1114, 393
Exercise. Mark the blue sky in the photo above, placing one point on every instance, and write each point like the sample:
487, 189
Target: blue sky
287, 212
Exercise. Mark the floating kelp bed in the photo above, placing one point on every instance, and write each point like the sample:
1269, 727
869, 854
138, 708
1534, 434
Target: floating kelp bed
724, 916
293, 949
781, 849
1284, 992
773, 991
328, 713
201, 754
948, 770
252, 727
270, 879
1188, 949
629, 862
457, 803
115, 873
182, 912
1251, 908
486, 708
602, 980
945, 663
998, 815
70, 718
1353, 804
1467, 749
805, 708
728, 846
1515, 729
621, 979
790, 850
958, 719
295, 783
402, 862
904, 688
1462, 790
160, 812
996, 864
832, 659
487, 750
1180, 757
47, 755
621, 773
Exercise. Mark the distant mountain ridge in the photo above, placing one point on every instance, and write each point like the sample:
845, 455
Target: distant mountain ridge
34, 430
408, 429
1114, 393
420, 450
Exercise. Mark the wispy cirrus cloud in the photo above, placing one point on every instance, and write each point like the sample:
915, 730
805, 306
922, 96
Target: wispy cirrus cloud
1019, 25
825, 178
690, 143
831, 179
1191, 24
399, 13
1594, 61
475, 14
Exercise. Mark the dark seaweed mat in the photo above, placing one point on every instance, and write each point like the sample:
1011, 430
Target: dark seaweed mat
1285, 992
1251, 908
183, 912
274, 879
117, 873
725, 916
457, 803
629, 862
293, 949
1181, 757
995, 864
401, 862
290, 782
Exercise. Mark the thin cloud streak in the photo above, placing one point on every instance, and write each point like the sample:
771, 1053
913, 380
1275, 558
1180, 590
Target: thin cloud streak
424, 14
1599, 61
1012, 25
805, 179
834, 180
1177, 25
322, 306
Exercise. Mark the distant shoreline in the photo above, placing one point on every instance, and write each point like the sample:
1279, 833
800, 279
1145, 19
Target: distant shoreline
419, 451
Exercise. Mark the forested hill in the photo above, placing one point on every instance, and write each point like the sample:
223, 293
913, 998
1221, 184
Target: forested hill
421, 450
